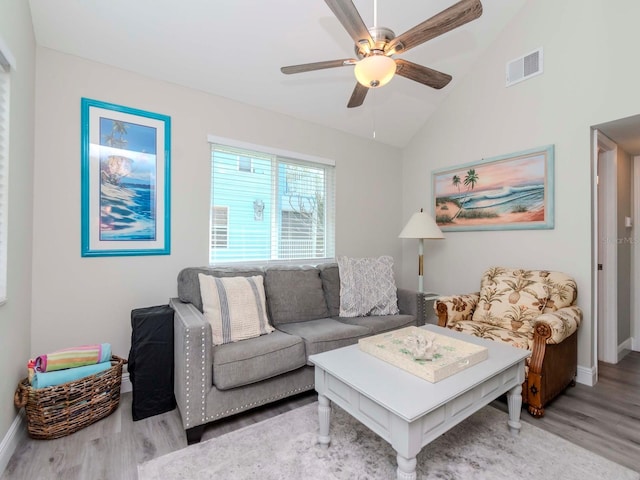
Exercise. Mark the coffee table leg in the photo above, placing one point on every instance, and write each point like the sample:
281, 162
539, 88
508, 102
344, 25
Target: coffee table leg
406, 468
514, 398
324, 417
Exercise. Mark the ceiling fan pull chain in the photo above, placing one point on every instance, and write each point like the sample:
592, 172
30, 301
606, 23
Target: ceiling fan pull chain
373, 108
375, 13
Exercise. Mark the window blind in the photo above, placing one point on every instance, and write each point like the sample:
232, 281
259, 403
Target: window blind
266, 207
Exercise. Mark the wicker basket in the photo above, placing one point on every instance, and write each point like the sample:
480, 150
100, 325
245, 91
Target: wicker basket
54, 412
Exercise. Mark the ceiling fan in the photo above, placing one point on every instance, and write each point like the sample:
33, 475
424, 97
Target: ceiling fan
375, 46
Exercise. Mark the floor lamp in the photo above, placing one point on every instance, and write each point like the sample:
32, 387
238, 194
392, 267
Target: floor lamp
421, 225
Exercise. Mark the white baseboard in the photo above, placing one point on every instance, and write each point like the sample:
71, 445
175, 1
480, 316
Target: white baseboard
624, 348
586, 376
17, 431
126, 383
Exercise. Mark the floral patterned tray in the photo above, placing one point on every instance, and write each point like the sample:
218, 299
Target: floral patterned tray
451, 355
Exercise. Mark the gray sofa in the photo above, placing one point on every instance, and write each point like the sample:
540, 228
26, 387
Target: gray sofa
303, 303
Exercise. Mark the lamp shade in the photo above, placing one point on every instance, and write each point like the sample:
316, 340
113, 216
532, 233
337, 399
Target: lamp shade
375, 70
421, 225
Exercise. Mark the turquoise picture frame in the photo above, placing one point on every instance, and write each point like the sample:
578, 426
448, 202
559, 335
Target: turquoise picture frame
125, 181
508, 192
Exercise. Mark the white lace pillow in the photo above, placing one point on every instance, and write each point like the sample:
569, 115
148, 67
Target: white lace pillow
367, 287
235, 307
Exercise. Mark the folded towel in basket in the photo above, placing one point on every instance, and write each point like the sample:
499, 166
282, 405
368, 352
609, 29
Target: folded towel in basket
58, 377
73, 357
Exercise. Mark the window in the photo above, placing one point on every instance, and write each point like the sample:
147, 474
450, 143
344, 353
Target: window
5, 70
279, 207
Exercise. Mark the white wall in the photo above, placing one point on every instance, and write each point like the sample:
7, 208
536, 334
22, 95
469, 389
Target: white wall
17, 34
83, 300
590, 76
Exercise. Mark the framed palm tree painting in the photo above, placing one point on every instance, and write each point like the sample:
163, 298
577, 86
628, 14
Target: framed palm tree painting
508, 192
125, 192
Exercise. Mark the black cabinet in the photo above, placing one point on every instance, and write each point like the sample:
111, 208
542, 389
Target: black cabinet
151, 361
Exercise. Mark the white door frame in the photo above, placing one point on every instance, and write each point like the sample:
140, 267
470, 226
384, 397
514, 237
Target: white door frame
635, 259
605, 249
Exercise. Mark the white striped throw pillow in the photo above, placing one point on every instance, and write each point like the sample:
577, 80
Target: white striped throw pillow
235, 307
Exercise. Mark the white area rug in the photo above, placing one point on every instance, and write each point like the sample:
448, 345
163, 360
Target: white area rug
285, 447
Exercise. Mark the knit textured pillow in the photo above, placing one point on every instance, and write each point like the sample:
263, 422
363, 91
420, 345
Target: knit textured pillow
235, 307
367, 287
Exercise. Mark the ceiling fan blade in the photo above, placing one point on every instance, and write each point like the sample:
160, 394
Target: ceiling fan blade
445, 21
421, 74
308, 67
358, 96
346, 12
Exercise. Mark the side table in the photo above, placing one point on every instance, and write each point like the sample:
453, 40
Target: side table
426, 314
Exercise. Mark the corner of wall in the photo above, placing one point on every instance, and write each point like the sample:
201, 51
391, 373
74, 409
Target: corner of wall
587, 376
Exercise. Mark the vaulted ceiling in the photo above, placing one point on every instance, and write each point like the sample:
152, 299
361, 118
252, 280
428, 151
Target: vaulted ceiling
235, 48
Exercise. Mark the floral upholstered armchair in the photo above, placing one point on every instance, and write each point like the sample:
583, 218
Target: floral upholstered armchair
531, 309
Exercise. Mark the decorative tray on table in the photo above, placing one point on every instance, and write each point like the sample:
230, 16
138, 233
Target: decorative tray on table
428, 355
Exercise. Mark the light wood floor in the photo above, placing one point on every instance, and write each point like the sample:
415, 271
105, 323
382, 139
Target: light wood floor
604, 419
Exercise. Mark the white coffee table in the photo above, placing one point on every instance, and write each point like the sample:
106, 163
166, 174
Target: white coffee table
407, 411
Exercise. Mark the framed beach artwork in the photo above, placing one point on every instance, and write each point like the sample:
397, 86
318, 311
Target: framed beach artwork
508, 192
125, 173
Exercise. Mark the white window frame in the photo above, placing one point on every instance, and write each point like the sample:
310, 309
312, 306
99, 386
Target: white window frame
287, 156
7, 64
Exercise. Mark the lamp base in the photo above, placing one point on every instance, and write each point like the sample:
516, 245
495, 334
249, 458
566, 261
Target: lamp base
420, 265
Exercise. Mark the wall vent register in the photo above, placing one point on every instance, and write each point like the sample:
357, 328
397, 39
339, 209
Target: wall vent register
524, 68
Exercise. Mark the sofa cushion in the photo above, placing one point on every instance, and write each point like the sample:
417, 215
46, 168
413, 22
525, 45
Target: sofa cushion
367, 286
255, 359
325, 334
294, 294
189, 284
380, 323
513, 298
235, 307
330, 276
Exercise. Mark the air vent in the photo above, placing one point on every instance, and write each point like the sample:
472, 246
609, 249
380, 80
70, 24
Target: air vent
524, 67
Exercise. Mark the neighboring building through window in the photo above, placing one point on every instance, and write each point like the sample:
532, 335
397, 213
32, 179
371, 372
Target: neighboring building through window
267, 207
244, 164
219, 227
5, 72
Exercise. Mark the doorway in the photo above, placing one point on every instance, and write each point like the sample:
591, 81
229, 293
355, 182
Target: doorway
616, 212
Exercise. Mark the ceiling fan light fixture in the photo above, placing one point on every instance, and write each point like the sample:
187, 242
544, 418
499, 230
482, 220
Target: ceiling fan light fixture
375, 70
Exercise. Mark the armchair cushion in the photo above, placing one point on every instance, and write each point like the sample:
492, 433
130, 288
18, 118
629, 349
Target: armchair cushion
514, 298
492, 332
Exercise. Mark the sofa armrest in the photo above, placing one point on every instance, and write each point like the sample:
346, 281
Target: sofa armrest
562, 323
192, 362
452, 309
408, 301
